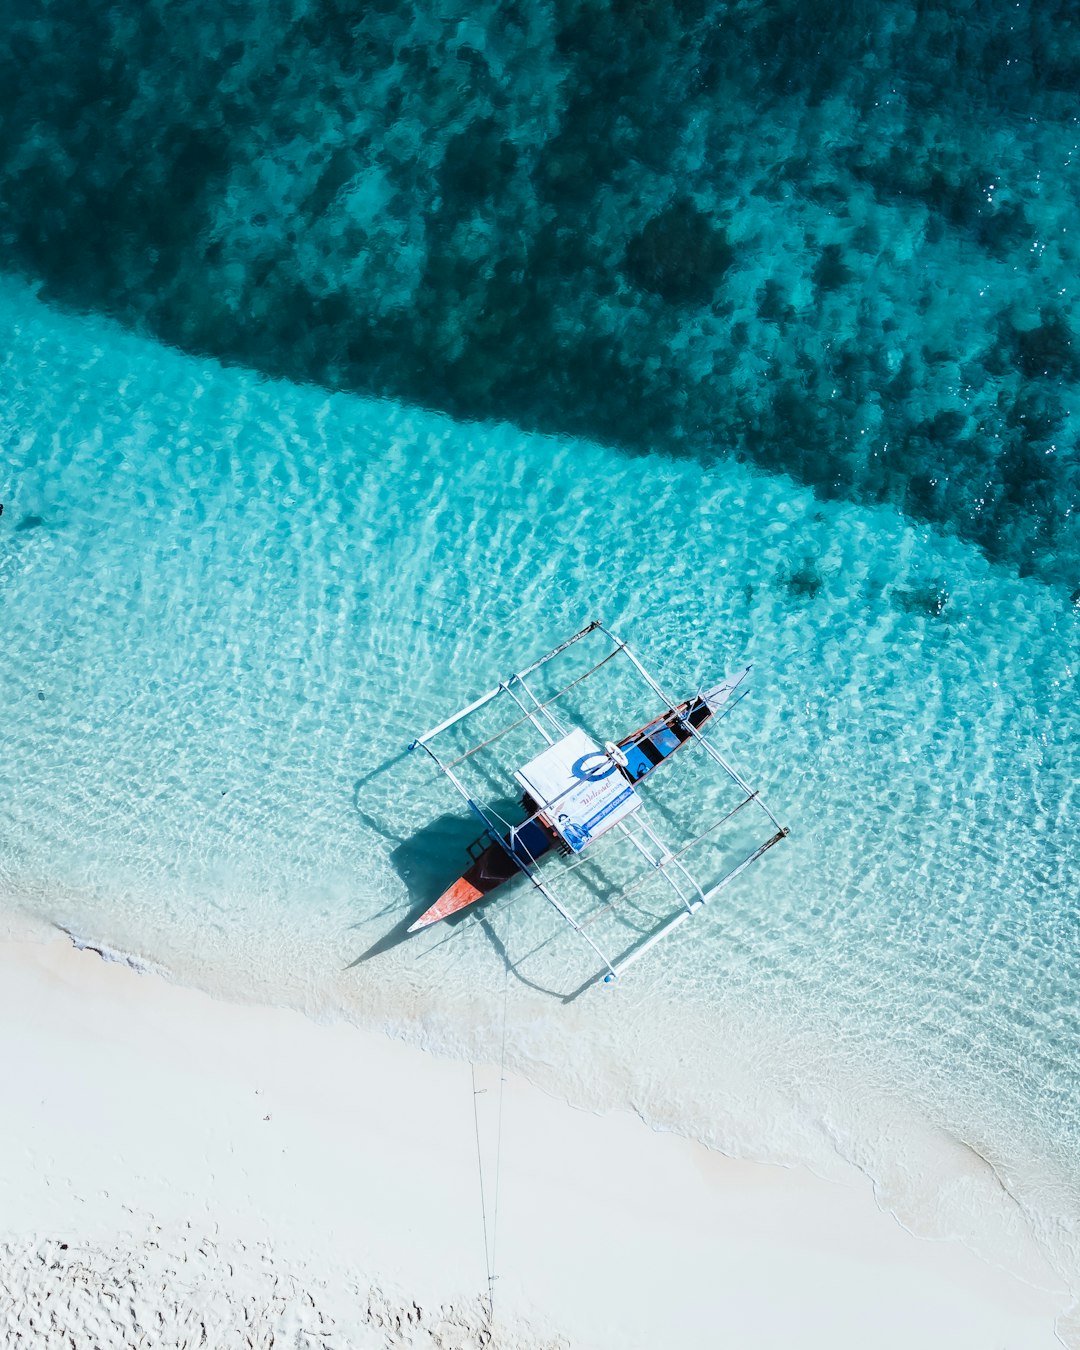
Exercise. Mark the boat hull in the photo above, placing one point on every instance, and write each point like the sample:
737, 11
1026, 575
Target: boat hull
645, 749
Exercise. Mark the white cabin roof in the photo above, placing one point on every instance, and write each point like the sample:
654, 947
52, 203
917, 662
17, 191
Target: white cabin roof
578, 788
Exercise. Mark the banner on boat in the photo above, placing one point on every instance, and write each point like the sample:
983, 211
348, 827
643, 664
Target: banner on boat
579, 789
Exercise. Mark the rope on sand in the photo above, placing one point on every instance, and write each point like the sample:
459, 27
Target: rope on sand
491, 1235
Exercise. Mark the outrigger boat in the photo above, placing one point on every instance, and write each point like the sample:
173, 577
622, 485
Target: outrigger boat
634, 757
576, 790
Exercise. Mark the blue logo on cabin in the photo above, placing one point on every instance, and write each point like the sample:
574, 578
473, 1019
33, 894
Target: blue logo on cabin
602, 767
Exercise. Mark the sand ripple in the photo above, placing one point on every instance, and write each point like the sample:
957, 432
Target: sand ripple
187, 1290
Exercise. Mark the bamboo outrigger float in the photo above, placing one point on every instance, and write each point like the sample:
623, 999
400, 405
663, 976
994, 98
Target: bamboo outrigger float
576, 790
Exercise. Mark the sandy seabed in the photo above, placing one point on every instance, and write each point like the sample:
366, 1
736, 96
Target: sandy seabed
178, 1171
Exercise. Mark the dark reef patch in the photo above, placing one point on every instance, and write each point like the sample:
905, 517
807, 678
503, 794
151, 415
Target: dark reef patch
805, 581
1048, 349
681, 255
831, 272
835, 240
927, 597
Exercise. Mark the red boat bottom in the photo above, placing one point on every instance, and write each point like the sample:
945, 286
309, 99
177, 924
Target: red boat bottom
460, 895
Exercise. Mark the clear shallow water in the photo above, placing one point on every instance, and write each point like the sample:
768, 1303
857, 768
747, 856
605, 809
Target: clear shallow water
216, 588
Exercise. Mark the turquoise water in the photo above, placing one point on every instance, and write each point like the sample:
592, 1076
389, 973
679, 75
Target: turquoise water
229, 603
351, 361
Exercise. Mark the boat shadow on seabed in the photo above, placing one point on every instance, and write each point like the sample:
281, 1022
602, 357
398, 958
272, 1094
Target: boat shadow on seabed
420, 862
423, 861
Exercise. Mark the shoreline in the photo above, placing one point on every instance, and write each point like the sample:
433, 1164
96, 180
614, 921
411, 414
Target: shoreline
139, 1111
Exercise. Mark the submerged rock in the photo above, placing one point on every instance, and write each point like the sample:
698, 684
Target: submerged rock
681, 255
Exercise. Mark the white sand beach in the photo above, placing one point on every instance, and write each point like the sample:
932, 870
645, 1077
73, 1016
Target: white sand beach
180, 1171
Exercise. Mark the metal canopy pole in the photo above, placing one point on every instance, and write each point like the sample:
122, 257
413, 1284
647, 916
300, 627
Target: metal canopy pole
635, 953
589, 628
529, 713
709, 748
656, 864
577, 927
493, 693
540, 707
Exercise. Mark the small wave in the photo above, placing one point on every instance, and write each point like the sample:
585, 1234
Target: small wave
137, 963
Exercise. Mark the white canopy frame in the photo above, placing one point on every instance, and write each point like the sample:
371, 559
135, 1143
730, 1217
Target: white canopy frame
637, 830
